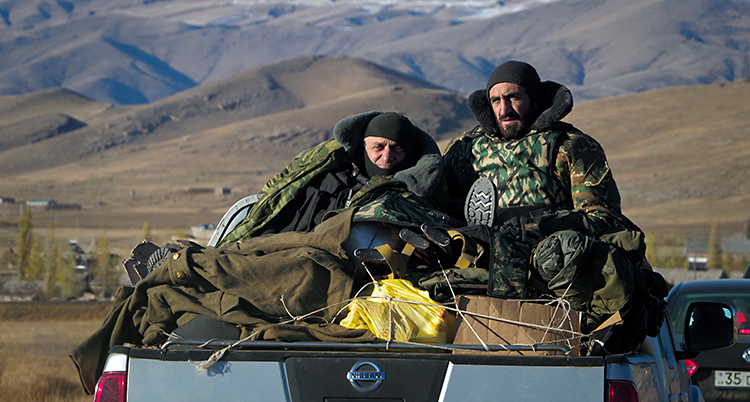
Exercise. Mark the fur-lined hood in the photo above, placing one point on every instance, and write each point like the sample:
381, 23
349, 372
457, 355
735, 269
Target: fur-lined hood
421, 179
555, 102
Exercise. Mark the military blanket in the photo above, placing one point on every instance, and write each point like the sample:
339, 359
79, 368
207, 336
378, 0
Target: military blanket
257, 284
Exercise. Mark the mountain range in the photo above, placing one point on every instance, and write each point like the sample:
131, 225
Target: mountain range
141, 51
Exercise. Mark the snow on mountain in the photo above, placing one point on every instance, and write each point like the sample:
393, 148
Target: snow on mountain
139, 51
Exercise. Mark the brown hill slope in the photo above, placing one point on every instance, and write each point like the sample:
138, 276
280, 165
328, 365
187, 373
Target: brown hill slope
16, 108
681, 155
292, 84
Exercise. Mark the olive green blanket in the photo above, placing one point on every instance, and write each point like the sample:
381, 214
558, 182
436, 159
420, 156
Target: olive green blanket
256, 284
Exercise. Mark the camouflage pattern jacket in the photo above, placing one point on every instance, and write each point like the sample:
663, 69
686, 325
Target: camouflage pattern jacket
555, 164
586, 251
418, 182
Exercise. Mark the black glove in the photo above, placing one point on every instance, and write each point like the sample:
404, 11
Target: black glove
565, 220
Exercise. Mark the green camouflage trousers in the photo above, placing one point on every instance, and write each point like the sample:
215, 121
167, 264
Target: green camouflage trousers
595, 276
509, 267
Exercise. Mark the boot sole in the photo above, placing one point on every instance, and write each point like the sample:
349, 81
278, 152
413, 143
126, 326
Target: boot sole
479, 208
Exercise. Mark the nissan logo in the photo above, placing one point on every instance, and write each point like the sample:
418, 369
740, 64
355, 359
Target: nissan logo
365, 376
746, 355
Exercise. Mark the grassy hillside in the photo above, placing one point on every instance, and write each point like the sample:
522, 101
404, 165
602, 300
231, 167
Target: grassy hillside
680, 155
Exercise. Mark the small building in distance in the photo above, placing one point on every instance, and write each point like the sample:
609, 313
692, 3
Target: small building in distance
41, 203
697, 263
50, 204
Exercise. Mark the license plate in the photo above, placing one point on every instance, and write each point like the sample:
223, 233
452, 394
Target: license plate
731, 378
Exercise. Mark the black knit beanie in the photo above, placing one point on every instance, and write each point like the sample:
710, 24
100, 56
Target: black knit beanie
394, 127
519, 73
398, 129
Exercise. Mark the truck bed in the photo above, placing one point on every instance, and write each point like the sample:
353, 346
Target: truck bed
291, 372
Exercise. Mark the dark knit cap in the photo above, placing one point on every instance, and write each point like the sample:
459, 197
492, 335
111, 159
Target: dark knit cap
516, 72
394, 127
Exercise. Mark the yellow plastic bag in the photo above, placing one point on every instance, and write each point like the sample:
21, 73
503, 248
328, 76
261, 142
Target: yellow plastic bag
398, 311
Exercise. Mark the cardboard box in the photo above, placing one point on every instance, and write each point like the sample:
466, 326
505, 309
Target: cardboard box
515, 322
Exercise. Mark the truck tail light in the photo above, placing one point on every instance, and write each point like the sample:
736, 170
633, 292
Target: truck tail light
110, 387
621, 391
691, 367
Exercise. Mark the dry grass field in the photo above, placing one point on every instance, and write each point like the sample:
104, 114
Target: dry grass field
35, 339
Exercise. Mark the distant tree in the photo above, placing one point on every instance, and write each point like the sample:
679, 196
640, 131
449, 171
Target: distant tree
104, 264
48, 266
60, 277
35, 267
676, 260
69, 283
671, 240
51, 269
650, 245
652, 250
747, 230
658, 250
714, 251
727, 262
146, 231
743, 262
23, 244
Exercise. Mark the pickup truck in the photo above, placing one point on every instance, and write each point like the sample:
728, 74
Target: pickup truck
380, 372
390, 372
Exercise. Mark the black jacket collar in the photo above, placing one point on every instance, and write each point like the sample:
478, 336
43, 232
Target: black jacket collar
421, 179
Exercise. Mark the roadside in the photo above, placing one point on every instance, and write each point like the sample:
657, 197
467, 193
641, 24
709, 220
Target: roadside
35, 339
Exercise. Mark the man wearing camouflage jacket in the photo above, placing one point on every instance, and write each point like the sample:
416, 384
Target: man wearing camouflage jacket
533, 158
546, 190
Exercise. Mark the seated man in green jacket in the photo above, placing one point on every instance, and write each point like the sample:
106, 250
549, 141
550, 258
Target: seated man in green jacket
378, 164
370, 153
